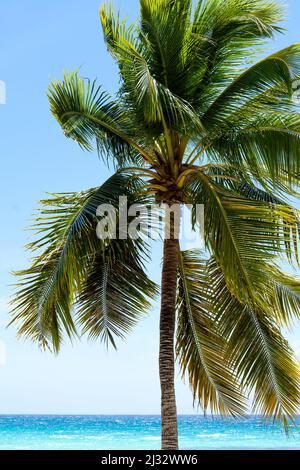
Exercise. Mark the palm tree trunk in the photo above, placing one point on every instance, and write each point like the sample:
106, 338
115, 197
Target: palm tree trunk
167, 332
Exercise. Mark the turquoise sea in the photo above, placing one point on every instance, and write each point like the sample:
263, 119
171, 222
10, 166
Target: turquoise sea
137, 432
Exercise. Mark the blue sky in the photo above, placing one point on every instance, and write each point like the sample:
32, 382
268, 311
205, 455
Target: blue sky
39, 40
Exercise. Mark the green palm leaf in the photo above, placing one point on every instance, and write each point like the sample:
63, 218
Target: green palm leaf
231, 33
270, 142
87, 114
67, 235
200, 347
244, 233
259, 354
115, 293
150, 95
283, 293
278, 69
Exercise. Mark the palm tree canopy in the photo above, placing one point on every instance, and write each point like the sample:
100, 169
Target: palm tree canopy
193, 122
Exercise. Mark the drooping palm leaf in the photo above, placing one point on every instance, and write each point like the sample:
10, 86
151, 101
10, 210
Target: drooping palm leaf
88, 114
67, 235
278, 69
259, 354
231, 32
283, 293
243, 233
115, 293
270, 141
200, 347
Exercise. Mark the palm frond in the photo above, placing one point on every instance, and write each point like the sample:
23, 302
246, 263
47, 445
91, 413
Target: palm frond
164, 25
232, 33
67, 246
150, 95
250, 191
200, 348
115, 293
87, 114
277, 69
243, 233
270, 142
283, 293
259, 354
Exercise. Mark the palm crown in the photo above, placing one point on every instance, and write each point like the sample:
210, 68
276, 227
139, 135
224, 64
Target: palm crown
197, 120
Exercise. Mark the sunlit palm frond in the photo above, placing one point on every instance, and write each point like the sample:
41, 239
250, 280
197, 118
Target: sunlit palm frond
230, 32
150, 95
260, 18
270, 141
259, 354
164, 25
115, 294
242, 232
66, 228
241, 179
283, 295
277, 69
200, 348
87, 114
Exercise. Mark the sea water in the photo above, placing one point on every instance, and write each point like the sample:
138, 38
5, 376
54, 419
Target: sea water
138, 432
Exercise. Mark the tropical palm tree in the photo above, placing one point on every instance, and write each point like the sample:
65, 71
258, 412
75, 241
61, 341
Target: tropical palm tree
197, 120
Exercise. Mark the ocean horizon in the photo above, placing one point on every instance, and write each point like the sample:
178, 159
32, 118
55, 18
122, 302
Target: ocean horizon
140, 432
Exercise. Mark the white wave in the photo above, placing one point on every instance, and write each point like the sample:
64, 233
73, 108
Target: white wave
151, 438
217, 434
97, 438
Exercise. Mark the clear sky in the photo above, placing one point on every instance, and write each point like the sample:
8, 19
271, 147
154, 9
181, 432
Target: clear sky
38, 41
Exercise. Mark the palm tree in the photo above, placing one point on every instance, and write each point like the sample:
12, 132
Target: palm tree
197, 120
